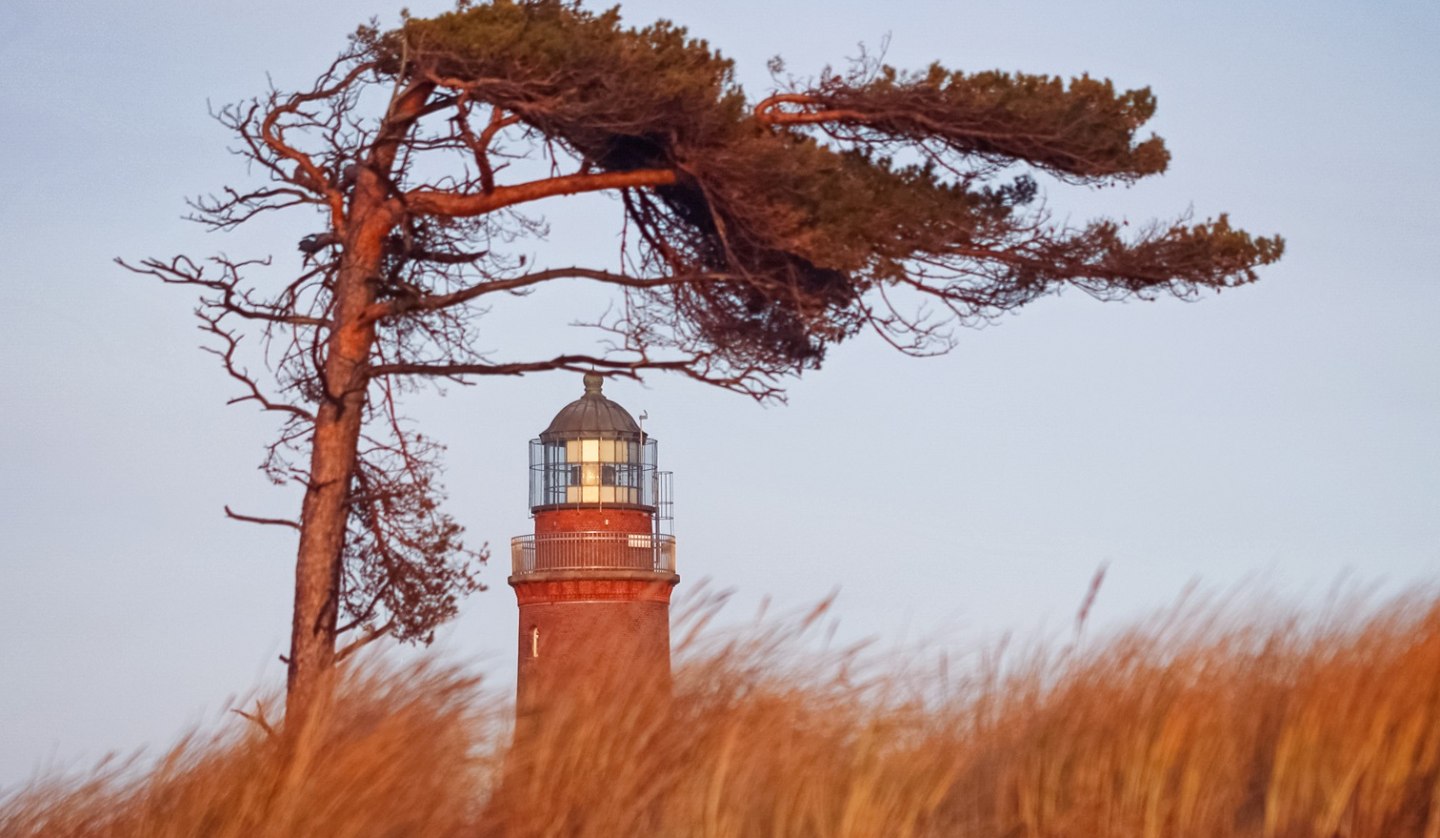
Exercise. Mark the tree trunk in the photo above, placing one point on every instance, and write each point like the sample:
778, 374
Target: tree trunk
373, 214
332, 461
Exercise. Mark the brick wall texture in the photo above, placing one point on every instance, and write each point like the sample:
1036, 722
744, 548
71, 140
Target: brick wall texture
588, 635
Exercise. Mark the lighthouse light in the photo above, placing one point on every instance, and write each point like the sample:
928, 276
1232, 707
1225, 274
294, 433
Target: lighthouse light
573, 465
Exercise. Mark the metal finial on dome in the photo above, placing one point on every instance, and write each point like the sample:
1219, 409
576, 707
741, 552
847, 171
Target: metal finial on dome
593, 383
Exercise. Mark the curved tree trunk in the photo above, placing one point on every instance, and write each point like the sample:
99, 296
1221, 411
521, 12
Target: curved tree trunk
372, 215
325, 510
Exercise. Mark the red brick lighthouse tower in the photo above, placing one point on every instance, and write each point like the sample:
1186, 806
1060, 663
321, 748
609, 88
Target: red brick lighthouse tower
593, 583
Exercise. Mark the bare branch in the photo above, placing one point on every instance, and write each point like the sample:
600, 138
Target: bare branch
227, 358
181, 270
480, 146
573, 363
462, 205
258, 718
753, 380
308, 173
251, 519
365, 639
436, 302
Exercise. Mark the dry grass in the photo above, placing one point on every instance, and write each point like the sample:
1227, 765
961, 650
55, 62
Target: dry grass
1200, 724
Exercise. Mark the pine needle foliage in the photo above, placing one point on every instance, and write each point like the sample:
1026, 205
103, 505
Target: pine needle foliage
803, 203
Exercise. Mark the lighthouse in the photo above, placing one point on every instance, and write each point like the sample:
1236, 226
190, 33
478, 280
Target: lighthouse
593, 581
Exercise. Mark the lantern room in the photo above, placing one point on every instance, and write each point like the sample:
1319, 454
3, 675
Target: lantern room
593, 453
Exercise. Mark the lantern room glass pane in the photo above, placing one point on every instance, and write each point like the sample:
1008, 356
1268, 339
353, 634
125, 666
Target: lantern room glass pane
592, 471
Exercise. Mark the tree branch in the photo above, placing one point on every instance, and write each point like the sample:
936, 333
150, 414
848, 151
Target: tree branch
251, 519
227, 358
752, 380
370, 636
480, 145
574, 363
307, 173
258, 717
470, 204
436, 302
768, 111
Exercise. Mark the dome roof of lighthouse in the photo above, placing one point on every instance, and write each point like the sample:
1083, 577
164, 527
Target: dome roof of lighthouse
592, 415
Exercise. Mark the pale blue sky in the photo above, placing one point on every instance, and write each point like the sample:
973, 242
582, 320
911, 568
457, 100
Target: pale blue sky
1280, 436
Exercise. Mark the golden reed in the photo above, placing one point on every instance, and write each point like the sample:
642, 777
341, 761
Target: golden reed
1200, 723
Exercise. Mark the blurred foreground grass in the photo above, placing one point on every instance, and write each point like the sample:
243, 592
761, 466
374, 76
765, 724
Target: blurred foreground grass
1198, 723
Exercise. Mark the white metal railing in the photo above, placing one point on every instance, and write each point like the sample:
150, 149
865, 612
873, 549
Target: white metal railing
592, 551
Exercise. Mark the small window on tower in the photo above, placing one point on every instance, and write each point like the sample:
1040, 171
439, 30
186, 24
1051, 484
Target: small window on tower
534, 641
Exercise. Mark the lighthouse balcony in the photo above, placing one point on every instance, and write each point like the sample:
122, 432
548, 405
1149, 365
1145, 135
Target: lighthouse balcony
592, 551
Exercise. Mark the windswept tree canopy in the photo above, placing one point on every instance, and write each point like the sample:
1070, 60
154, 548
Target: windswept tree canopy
757, 233
797, 208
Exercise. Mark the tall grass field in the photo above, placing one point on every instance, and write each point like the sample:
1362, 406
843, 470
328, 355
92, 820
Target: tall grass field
1203, 722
